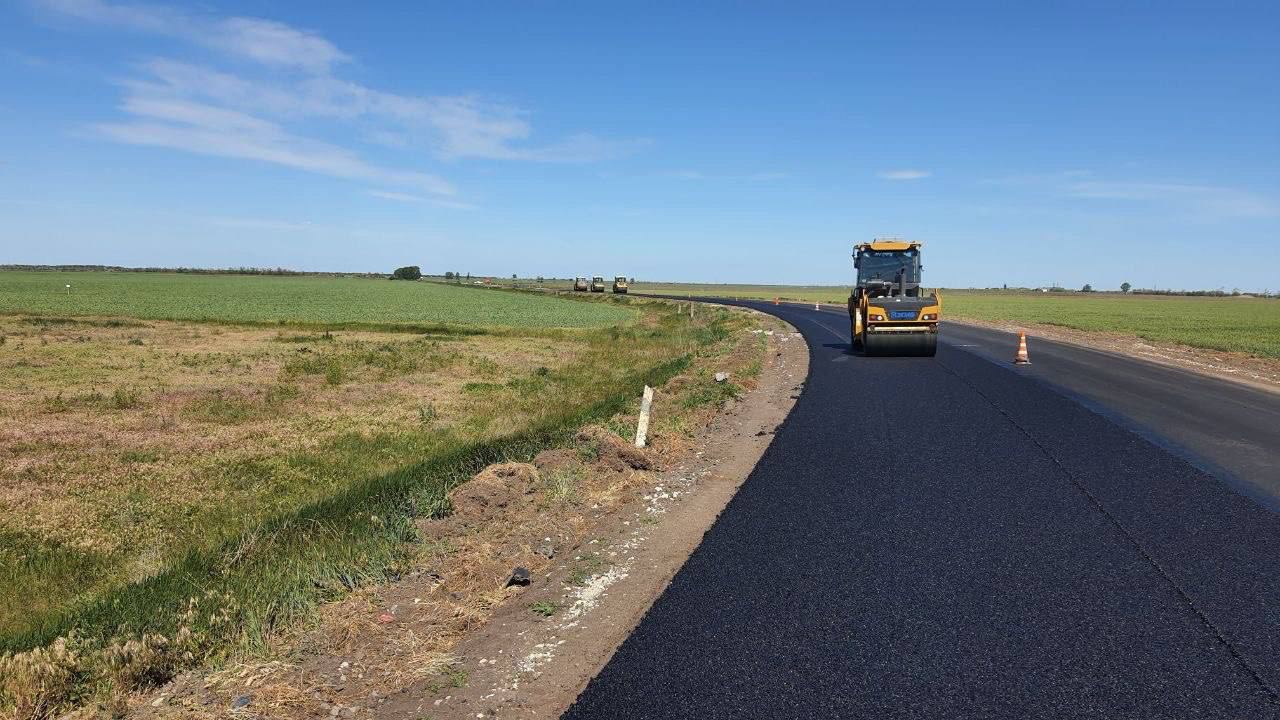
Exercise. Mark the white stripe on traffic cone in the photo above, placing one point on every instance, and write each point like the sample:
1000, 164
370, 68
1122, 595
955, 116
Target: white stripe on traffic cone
1022, 358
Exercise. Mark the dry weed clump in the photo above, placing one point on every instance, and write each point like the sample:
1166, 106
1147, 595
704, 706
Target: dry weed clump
37, 683
44, 682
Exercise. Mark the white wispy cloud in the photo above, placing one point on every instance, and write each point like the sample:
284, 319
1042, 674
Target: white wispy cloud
261, 224
285, 76
255, 39
1188, 199
401, 197
396, 196
211, 130
699, 175
1044, 178
460, 126
904, 174
1206, 199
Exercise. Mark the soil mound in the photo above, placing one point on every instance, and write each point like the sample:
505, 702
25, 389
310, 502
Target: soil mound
494, 489
614, 452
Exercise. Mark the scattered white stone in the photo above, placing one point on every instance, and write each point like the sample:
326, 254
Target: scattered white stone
588, 596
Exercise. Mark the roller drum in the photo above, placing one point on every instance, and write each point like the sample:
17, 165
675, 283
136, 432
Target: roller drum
900, 344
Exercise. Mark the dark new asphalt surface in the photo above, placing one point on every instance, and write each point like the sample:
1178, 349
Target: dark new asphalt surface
1226, 428
945, 537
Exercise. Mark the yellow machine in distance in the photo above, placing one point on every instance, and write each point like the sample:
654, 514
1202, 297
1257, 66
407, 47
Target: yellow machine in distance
597, 284
889, 313
620, 285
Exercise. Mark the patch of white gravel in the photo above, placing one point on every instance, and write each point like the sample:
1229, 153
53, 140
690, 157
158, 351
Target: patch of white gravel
588, 596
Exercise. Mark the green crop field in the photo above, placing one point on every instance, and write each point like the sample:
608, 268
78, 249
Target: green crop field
1237, 324
806, 293
293, 300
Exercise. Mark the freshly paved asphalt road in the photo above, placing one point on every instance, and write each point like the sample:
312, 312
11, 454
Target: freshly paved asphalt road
944, 537
1226, 428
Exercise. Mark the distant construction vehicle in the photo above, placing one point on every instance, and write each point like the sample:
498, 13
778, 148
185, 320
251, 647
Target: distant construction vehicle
597, 284
620, 285
580, 285
889, 313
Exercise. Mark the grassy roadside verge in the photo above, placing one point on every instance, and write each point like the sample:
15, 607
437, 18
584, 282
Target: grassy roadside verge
217, 600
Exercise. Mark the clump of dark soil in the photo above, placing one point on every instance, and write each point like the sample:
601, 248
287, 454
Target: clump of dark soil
614, 452
493, 490
550, 462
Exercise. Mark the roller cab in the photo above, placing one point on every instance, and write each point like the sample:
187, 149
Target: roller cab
889, 312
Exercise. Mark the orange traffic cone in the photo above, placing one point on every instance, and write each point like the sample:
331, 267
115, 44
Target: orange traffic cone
815, 306
1021, 358
775, 301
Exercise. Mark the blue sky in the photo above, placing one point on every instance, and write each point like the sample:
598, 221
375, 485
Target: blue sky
1024, 143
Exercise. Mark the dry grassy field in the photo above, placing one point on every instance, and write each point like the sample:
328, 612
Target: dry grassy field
212, 479
127, 446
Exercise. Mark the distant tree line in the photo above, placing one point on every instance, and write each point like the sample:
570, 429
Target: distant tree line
1129, 289
186, 270
1236, 292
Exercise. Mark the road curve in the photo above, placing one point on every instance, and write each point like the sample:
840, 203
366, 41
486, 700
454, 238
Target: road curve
941, 538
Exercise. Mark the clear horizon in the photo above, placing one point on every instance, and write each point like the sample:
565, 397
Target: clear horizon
1101, 143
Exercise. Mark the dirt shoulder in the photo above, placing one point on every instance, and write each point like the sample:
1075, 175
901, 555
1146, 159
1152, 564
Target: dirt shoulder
1263, 373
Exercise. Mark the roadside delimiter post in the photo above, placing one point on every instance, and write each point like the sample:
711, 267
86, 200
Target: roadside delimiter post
642, 428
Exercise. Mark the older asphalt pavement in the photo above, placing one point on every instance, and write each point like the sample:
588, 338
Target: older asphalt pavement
941, 538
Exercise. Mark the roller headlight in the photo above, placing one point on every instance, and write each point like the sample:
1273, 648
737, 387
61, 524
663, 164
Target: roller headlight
929, 316
875, 317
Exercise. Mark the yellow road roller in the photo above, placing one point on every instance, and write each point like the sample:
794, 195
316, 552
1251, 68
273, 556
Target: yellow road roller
889, 313
620, 285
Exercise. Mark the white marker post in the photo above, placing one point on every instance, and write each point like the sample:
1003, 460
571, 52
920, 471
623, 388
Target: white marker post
642, 427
